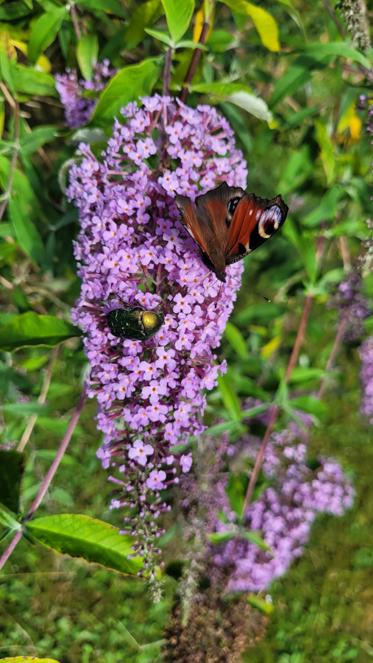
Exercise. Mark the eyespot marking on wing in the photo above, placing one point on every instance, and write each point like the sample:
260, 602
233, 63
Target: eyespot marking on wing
270, 221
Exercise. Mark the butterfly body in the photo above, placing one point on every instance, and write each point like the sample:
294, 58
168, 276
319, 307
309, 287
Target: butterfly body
227, 223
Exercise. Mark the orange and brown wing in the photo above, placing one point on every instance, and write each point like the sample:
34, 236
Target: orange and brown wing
254, 221
207, 220
190, 220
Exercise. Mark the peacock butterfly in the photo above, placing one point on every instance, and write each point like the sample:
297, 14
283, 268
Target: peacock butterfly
227, 223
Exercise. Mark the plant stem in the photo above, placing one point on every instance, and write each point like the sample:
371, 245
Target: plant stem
167, 72
48, 477
194, 62
275, 409
75, 22
333, 353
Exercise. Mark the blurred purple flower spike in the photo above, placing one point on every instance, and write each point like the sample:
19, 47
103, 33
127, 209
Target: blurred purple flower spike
284, 512
73, 93
366, 356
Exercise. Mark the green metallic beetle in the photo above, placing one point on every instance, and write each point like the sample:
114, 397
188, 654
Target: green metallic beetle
134, 322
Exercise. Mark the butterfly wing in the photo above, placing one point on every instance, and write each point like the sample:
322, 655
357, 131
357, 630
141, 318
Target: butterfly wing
208, 220
254, 221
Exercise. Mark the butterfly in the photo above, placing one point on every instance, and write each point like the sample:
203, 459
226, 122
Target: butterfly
227, 223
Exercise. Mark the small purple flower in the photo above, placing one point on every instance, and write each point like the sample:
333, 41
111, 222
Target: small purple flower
156, 480
74, 93
284, 512
140, 452
353, 306
186, 462
366, 356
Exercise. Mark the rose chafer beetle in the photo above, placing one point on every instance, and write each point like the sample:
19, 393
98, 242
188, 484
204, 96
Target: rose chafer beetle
135, 322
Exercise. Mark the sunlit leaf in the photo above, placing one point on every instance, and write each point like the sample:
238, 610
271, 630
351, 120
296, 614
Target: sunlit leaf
86, 54
27, 659
338, 49
44, 30
229, 397
91, 539
327, 150
34, 329
266, 607
237, 94
127, 85
264, 22
236, 340
178, 15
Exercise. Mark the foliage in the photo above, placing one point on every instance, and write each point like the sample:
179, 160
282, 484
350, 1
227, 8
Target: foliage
288, 78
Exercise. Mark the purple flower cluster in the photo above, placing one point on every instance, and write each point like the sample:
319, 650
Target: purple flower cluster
366, 356
132, 250
284, 512
76, 94
352, 305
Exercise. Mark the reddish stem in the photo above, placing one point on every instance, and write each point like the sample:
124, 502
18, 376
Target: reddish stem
194, 62
275, 409
48, 477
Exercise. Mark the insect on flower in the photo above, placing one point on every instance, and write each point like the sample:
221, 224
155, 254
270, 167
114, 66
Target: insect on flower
134, 322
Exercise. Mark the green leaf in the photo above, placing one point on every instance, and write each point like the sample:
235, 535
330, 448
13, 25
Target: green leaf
236, 340
164, 37
298, 167
229, 397
86, 537
338, 49
34, 329
10, 11
237, 94
236, 489
31, 81
6, 68
86, 54
33, 141
220, 41
258, 313
305, 374
107, 6
294, 78
8, 519
309, 404
306, 248
25, 231
127, 85
23, 207
27, 659
221, 537
266, 607
327, 150
178, 16
327, 209
11, 471
23, 409
264, 22
251, 104
144, 15
254, 537
44, 30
